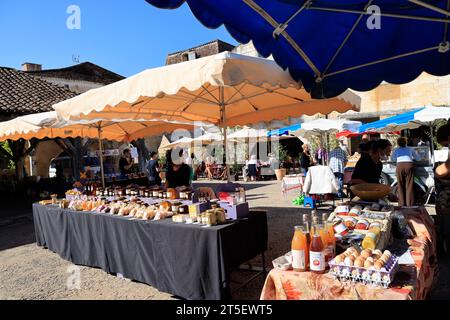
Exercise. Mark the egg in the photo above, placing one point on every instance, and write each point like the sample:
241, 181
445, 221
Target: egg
387, 253
339, 259
377, 252
366, 253
368, 264
348, 262
376, 257
359, 263
352, 250
378, 265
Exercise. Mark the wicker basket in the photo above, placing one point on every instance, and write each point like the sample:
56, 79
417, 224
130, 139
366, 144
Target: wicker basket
371, 191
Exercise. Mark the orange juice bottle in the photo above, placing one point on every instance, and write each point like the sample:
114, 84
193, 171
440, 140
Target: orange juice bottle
299, 250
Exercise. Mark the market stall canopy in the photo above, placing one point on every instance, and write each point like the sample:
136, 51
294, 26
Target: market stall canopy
328, 125
208, 137
248, 133
399, 122
48, 125
334, 45
222, 89
183, 142
431, 114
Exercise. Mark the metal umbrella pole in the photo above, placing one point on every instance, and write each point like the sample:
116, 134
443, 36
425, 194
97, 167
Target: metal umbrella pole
224, 127
100, 142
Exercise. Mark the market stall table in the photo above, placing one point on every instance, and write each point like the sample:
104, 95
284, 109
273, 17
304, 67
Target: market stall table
411, 282
189, 261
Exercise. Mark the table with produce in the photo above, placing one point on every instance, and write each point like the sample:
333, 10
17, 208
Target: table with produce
179, 241
363, 250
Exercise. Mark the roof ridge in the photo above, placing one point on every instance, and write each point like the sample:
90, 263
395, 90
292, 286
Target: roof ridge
199, 46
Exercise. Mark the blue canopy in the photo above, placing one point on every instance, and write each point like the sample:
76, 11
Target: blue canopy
284, 131
331, 45
396, 123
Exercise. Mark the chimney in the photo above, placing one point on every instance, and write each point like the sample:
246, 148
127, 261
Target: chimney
31, 67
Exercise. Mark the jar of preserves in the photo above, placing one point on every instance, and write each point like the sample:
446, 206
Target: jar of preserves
340, 228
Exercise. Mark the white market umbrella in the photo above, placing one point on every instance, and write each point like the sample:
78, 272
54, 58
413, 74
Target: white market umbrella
48, 125
431, 114
225, 89
320, 126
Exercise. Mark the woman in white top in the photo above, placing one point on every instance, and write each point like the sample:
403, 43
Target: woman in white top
405, 157
252, 166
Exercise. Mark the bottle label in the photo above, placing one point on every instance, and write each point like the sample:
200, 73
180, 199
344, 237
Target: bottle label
317, 261
298, 259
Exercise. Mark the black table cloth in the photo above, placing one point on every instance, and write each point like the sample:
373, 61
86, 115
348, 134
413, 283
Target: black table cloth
188, 261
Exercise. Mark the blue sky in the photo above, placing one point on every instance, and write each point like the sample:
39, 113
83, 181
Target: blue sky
125, 36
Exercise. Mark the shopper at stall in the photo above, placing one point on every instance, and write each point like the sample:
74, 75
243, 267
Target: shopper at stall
364, 146
306, 160
344, 147
178, 173
321, 156
405, 157
442, 185
209, 168
252, 167
368, 168
153, 170
386, 149
125, 163
338, 161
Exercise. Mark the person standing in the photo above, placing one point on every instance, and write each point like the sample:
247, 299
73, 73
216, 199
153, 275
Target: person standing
153, 170
344, 147
369, 167
252, 166
338, 161
178, 172
125, 164
321, 156
306, 160
442, 184
405, 157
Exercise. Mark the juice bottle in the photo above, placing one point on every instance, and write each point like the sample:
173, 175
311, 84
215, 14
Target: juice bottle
307, 233
317, 253
299, 250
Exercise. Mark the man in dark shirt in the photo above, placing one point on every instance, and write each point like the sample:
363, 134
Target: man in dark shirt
178, 173
126, 163
369, 167
153, 170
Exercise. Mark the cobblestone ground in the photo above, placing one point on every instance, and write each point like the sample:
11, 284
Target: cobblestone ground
30, 272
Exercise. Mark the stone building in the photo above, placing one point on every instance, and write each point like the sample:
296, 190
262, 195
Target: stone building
22, 94
78, 78
201, 51
38, 90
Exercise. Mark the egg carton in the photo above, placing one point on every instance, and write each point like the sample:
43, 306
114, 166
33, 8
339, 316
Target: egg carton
368, 276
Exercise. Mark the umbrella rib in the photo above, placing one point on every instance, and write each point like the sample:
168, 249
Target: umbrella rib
210, 93
202, 98
236, 93
431, 7
246, 99
381, 61
389, 15
338, 51
288, 38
